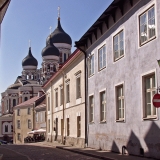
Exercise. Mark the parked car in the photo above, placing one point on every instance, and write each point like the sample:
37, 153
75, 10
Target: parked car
3, 142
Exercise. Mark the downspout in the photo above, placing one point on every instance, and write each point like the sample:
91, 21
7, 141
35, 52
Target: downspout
86, 94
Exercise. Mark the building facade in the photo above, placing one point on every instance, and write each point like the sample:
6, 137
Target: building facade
66, 102
122, 47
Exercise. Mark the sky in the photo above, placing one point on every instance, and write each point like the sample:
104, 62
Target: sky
31, 19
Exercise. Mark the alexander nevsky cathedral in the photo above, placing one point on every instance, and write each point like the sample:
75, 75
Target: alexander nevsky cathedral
26, 86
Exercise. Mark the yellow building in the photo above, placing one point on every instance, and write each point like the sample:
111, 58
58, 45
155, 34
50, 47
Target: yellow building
24, 118
66, 102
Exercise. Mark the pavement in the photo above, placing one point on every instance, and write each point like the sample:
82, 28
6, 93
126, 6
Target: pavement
107, 155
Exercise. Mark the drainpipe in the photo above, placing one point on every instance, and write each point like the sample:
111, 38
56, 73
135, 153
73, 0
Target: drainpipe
86, 94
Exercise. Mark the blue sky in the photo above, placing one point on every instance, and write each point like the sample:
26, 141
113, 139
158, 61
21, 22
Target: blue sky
30, 20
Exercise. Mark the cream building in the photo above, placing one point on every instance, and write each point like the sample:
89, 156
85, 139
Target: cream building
24, 118
66, 102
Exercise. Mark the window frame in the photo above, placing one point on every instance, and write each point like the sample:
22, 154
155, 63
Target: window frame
102, 103
147, 24
144, 106
18, 136
68, 126
67, 91
61, 95
91, 120
29, 111
103, 57
29, 124
120, 98
18, 124
118, 34
18, 112
56, 97
48, 103
91, 65
78, 126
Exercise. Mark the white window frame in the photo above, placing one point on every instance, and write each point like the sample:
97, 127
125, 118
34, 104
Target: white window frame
78, 84
91, 63
29, 124
144, 90
120, 98
19, 136
91, 108
29, 111
147, 26
61, 95
102, 106
67, 91
118, 43
102, 58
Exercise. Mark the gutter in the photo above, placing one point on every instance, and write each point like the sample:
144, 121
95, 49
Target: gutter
86, 94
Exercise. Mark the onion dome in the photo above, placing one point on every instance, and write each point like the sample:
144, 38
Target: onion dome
50, 49
29, 60
59, 35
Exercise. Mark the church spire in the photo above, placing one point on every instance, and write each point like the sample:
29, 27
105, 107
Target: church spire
58, 13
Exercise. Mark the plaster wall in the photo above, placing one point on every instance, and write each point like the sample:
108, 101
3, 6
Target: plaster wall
135, 132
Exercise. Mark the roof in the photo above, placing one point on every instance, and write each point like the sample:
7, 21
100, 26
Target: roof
28, 102
70, 59
59, 35
29, 60
110, 11
42, 105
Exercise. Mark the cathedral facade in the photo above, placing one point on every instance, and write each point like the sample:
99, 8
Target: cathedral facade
54, 54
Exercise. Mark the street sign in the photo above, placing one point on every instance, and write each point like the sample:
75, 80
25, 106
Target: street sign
156, 100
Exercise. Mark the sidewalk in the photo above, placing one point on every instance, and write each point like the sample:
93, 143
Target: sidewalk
94, 153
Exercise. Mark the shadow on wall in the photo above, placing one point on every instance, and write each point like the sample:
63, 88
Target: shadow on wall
152, 140
115, 147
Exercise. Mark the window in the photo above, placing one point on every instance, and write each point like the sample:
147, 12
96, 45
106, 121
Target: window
6, 128
65, 57
29, 110
49, 125
118, 46
91, 65
29, 124
62, 127
68, 127
78, 126
102, 106
91, 108
67, 94
149, 91
18, 112
120, 103
147, 25
37, 117
56, 98
25, 98
19, 136
18, 124
14, 102
78, 87
61, 97
102, 57
11, 128
48, 103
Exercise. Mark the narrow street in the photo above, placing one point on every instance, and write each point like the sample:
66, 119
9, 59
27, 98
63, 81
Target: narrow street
31, 152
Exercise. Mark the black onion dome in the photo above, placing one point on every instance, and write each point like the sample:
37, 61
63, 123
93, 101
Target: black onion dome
29, 60
59, 35
50, 49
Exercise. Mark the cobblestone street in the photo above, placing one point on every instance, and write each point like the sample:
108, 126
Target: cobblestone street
31, 152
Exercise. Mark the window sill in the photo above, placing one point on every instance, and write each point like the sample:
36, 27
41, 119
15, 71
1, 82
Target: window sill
150, 118
120, 120
91, 122
115, 60
101, 122
147, 41
91, 75
102, 69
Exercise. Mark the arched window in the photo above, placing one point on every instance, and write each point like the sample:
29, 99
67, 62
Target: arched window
25, 98
6, 128
32, 76
14, 102
64, 57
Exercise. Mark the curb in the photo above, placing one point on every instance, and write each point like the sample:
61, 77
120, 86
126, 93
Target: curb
1, 156
84, 153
